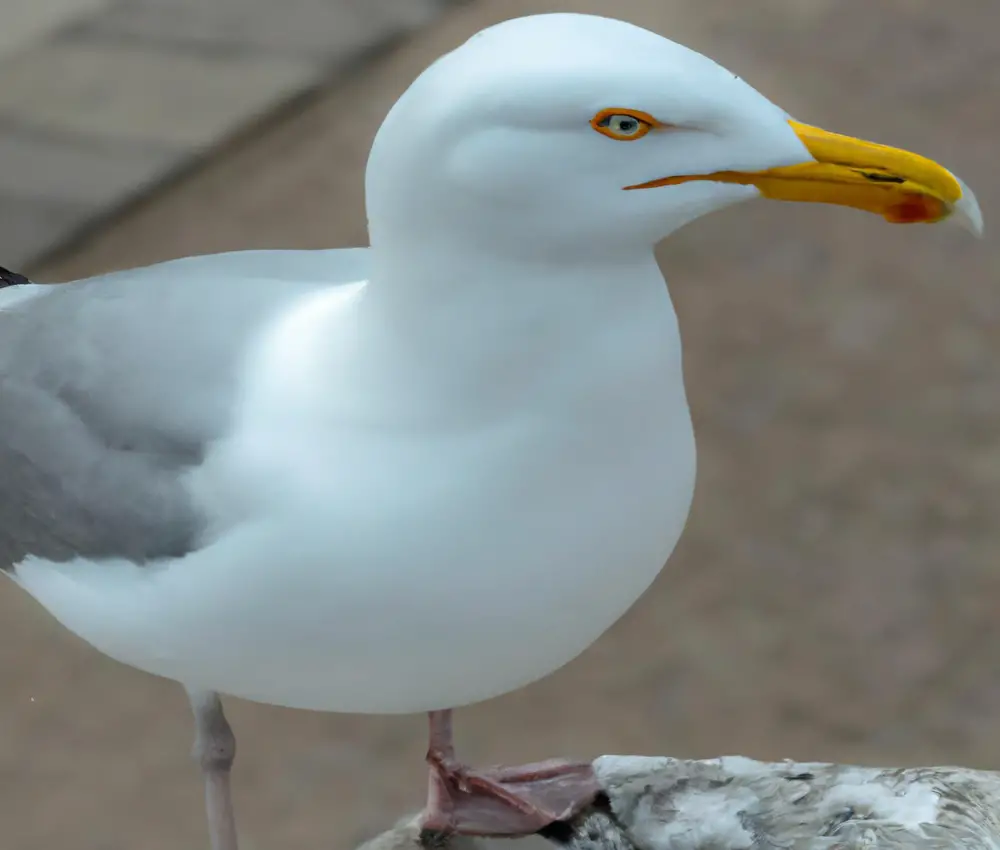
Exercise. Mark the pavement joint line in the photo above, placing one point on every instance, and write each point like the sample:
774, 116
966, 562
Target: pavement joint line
80, 88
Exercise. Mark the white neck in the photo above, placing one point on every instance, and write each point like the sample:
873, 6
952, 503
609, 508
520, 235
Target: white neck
429, 298
453, 346
458, 330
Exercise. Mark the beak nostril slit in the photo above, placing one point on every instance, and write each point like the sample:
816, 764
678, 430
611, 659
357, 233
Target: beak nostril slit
881, 177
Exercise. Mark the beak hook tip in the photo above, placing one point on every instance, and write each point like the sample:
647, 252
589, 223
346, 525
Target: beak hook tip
966, 211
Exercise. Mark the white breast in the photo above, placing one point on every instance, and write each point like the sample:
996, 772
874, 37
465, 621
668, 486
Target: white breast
395, 570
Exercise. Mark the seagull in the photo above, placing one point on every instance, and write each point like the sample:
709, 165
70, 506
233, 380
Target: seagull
413, 476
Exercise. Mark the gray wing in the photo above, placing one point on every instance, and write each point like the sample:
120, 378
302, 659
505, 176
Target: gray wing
112, 387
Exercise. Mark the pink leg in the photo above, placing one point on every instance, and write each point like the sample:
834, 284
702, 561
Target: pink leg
215, 749
501, 801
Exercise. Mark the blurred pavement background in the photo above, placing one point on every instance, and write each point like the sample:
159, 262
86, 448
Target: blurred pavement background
103, 100
835, 593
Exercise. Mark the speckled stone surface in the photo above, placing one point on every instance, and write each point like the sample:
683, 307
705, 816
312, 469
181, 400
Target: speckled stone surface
735, 803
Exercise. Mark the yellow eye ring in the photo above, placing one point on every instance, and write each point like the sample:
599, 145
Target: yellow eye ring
623, 125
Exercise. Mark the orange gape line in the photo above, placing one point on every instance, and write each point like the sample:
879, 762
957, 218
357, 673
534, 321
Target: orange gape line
906, 208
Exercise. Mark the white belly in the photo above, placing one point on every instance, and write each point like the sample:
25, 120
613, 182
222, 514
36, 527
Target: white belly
386, 573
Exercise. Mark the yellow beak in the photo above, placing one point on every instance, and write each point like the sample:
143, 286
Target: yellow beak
902, 187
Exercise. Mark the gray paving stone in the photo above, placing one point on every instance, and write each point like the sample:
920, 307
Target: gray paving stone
79, 171
331, 29
27, 226
113, 101
118, 92
410, 13
28, 21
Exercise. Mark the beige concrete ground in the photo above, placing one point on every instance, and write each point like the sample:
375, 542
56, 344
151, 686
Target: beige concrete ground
835, 594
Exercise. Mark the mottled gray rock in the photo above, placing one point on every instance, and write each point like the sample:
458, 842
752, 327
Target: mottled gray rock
735, 803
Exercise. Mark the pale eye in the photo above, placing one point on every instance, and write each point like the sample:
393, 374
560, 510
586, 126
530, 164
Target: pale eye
624, 126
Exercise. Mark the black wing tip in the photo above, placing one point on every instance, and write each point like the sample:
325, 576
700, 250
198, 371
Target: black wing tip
9, 278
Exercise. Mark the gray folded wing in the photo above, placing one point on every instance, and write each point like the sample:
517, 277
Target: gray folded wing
112, 387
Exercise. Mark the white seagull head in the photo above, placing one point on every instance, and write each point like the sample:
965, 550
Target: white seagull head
565, 132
